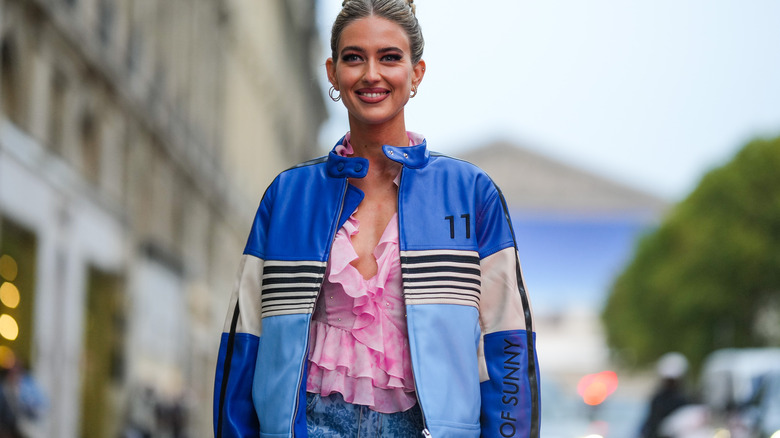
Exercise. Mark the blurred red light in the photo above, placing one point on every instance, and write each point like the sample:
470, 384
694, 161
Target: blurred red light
595, 388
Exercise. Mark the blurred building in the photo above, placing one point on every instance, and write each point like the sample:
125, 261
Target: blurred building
136, 139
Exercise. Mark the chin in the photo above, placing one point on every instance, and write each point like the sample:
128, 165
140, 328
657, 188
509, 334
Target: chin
376, 119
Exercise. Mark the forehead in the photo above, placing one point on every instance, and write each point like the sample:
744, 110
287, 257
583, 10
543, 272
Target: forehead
373, 33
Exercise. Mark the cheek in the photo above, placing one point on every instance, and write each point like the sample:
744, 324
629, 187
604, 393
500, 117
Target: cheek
346, 78
403, 79
410, 76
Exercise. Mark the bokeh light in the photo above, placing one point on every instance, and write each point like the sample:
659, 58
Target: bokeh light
8, 267
7, 357
9, 329
724, 433
9, 295
595, 388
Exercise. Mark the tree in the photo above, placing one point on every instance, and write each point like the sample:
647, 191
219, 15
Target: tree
709, 276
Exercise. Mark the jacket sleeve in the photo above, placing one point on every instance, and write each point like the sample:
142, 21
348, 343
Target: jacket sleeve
509, 369
234, 410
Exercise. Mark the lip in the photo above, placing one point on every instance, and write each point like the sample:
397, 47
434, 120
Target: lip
372, 95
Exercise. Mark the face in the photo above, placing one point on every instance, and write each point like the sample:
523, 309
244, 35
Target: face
374, 71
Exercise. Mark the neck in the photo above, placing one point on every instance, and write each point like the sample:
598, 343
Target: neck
367, 140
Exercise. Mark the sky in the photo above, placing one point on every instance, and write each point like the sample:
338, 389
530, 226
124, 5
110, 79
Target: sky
648, 94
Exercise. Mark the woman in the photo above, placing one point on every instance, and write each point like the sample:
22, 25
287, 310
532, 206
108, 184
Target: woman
380, 292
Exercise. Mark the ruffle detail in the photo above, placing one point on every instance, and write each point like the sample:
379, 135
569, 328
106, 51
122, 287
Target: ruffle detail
349, 370
359, 345
345, 149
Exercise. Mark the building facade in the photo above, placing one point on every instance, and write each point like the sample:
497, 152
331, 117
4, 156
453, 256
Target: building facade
136, 138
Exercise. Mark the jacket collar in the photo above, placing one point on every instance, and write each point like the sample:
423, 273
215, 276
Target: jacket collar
414, 157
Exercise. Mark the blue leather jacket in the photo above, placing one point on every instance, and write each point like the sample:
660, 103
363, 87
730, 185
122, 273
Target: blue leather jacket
468, 315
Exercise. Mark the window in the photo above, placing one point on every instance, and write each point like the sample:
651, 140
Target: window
17, 293
105, 21
90, 148
9, 67
103, 358
133, 53
57, 111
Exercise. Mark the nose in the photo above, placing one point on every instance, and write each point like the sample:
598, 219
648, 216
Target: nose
372, 71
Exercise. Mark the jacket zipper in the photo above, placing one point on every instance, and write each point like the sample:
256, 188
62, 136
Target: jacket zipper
308, 326
425, 432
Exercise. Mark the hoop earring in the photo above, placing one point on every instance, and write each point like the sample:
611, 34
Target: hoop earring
330, 93
414, 92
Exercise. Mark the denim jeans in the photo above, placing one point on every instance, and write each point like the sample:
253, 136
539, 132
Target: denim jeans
332, 417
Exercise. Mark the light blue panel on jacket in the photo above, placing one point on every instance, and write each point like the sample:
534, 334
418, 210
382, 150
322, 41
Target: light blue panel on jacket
282, 349
448, 366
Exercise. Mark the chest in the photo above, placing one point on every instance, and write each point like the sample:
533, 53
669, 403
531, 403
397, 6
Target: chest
374, 213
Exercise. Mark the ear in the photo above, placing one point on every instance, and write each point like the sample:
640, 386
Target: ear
330, 68
418, 71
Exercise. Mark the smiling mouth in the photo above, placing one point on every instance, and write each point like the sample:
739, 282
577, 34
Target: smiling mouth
373, 94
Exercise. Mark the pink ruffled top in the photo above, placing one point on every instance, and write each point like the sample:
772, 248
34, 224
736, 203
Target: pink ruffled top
358, 343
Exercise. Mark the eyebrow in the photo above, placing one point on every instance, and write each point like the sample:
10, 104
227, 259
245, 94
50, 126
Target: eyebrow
361, 50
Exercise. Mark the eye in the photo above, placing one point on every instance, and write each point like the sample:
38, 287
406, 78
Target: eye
393, 57
351, 57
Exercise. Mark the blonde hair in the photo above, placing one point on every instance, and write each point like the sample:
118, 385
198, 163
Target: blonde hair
401, 12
